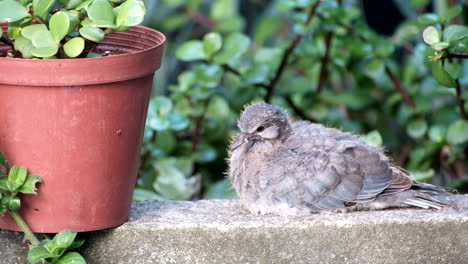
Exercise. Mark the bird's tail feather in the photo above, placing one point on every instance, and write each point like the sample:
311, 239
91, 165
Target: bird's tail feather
425, 203
431, 189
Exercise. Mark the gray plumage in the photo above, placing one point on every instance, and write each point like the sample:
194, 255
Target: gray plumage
282, 167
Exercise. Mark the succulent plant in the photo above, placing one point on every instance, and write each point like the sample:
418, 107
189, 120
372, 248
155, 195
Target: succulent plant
64, 28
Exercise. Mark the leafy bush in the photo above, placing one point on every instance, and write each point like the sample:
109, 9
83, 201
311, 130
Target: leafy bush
321, 62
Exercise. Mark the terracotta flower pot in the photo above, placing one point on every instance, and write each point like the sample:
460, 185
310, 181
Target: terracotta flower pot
78, 123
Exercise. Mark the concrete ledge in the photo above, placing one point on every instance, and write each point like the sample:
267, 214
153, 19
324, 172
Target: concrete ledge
219, 232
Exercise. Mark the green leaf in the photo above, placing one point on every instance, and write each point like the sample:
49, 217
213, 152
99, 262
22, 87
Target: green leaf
30, 30
373, 138
16, 178
429, 18
41, 7
431, 35
29, 185
437, 133
212, 43
11, 11
422, 176
235, 46
44, 52
457, 132
70, 4
43, 39
92, 33
455, 33
37, 254
101, 13
451, 13
3, 183
64, 239
59, 25
440, 46
71, 258
191, 50
417, 128
11, 203
131, 13
74, 47
441, 75
374, 68
77, 242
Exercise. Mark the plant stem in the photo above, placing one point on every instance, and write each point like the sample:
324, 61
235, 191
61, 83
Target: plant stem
460, 100
399, 87
462, 55
287, 53
325, 59
27, 232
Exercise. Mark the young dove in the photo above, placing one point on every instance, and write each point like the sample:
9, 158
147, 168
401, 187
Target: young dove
287, 168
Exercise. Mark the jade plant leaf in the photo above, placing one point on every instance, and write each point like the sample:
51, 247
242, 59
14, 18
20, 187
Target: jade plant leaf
451, 13
191, 50
374, 68
29, 185
92, 33
44, 52
29, 31
16, 178
131, 13
417, 128
11, 11
71, 258
42, 7
429, 18
101, 13
212, 43
59, 25
455, 33
70, 4
441, 75
74, 47
431, 35
236, 45
457, 132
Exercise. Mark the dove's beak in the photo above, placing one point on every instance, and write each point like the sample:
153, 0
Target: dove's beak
238, 141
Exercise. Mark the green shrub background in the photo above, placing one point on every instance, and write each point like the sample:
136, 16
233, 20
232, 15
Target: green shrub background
320, 62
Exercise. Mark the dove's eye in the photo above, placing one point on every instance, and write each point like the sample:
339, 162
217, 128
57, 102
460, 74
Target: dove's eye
260, 128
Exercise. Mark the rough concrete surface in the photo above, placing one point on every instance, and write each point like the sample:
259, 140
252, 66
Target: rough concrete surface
217, 231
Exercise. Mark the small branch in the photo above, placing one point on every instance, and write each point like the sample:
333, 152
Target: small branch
460, 100
199, 18
298, 111
231, 70
325, 59
287, 53
198, 127
399, 87
24, 227
462, 55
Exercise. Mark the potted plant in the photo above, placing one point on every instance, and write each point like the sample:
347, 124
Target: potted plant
75, 81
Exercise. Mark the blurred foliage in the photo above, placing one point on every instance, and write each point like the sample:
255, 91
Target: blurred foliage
318, 60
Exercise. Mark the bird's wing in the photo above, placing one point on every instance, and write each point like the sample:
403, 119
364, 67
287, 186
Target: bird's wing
326, 168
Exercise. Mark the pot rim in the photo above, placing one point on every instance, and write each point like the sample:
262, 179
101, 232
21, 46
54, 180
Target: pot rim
135, 63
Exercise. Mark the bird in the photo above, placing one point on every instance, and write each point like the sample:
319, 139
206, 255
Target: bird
284, 167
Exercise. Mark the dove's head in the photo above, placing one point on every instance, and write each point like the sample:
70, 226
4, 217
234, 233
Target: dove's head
262, 122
